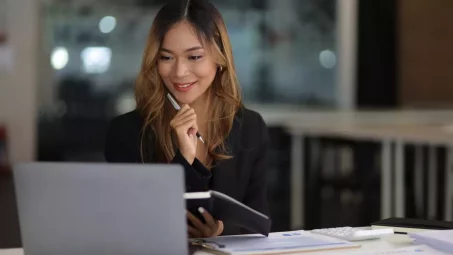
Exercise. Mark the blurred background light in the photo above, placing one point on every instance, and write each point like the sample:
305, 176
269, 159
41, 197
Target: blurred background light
107, 24
96, 59
327, 59
59, 58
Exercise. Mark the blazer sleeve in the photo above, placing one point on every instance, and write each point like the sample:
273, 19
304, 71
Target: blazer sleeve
197, 176
256, 192
122, 145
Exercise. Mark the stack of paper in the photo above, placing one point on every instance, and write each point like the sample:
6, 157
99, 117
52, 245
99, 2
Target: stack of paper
276, 243
438, 239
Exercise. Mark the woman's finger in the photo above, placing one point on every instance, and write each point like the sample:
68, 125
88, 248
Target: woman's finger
184, 112
190, 125
198, 224
193, 232
183, 119
181, 114
209, 220
220, 228
184, 109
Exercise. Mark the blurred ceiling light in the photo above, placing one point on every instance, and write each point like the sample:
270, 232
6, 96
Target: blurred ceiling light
107, 24
327, 59
59, 58
96, 59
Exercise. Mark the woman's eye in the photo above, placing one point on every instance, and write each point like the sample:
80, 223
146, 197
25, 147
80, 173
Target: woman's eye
165, 57
195, 57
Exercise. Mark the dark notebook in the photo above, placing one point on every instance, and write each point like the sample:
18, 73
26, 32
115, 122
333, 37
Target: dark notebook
405, 225
227, 209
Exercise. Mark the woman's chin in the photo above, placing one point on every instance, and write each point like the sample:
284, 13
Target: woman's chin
185, 98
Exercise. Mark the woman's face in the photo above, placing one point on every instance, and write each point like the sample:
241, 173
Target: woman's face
184, 66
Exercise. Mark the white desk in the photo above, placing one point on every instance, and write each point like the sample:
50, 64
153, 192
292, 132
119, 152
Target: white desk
394, 241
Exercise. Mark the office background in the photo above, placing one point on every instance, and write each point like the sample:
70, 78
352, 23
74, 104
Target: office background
68, 66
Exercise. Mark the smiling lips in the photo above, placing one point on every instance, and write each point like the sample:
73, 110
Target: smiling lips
183, 87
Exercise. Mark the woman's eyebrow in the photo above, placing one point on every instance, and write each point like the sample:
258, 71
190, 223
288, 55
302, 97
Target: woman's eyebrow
188, 50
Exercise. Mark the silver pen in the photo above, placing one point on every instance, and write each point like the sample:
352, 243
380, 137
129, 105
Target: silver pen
177, 107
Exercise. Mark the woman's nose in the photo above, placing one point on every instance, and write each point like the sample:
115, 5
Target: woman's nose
181, 68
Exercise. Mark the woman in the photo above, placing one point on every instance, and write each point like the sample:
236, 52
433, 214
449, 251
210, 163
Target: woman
189, 55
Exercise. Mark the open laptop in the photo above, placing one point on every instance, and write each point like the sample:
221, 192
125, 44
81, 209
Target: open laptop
100, 208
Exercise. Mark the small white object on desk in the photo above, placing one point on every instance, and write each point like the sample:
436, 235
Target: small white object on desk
354, 234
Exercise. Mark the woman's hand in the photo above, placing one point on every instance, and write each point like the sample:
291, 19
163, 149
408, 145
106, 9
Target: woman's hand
212, 227
185, 125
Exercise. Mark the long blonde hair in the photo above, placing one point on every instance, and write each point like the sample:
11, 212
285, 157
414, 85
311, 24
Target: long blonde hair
224, 93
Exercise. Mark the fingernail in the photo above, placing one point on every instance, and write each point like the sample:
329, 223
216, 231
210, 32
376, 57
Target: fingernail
200, 209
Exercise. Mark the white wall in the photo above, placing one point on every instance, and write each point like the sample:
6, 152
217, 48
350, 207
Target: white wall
18, 86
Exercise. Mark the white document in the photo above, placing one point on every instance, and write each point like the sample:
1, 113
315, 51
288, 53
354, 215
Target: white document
412, 250
438, 239
276, 243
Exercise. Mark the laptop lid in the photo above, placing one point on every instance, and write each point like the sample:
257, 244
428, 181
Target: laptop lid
80, 208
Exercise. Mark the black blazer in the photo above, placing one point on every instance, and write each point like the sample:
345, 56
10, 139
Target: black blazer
243, 177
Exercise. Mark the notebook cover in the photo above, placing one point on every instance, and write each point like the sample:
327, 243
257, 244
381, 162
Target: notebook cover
414, 223
227, 209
